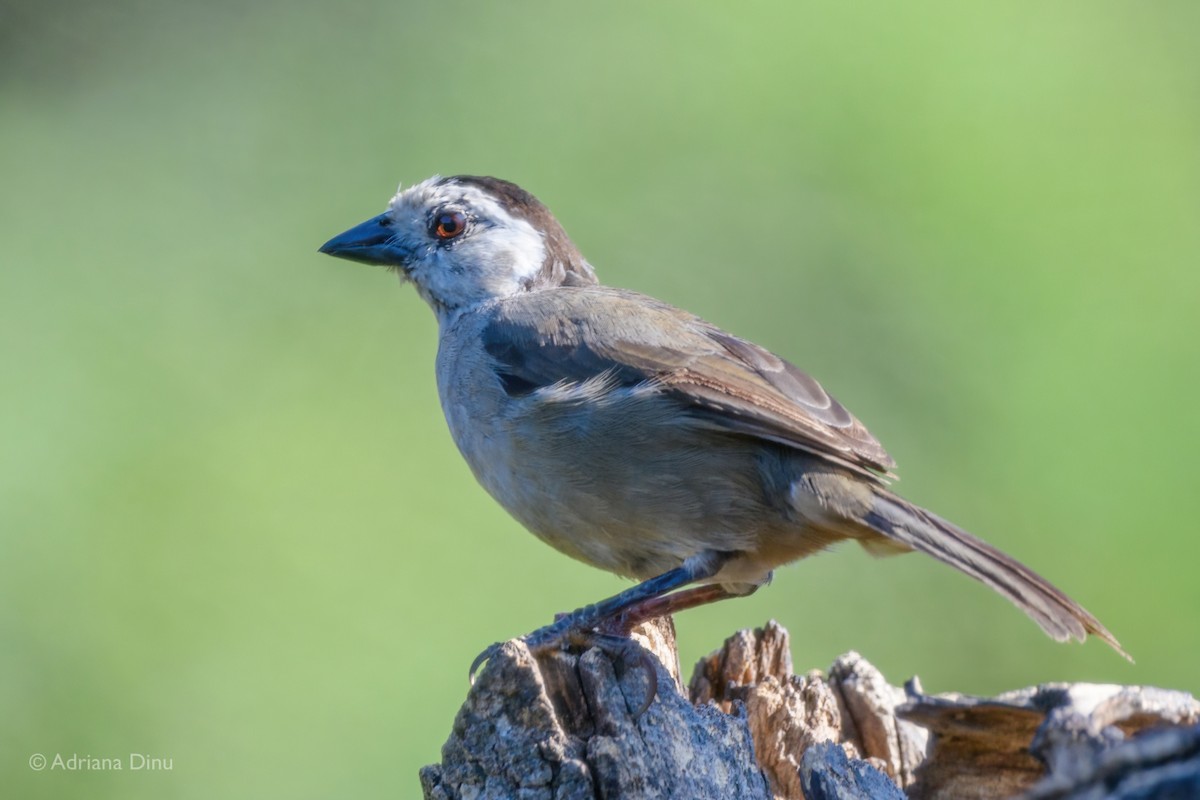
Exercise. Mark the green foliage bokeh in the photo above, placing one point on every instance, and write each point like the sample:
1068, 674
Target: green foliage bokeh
233, 528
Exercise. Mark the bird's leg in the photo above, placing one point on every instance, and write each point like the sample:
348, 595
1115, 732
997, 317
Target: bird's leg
613, 633
574, 627
697, 568
653, 608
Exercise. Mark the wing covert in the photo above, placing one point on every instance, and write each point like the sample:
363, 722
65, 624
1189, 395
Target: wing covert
722, 381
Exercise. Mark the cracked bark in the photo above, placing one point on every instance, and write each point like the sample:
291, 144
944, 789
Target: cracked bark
562, 727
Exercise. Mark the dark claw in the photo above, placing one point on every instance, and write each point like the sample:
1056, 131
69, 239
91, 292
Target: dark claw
631, 655
481, 658
616, 645
634, 655
551, 637
650, 665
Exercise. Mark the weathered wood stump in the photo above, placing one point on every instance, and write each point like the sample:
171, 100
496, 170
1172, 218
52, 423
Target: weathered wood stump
564, 726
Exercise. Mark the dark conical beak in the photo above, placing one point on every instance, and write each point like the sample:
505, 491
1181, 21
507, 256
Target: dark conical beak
369, 243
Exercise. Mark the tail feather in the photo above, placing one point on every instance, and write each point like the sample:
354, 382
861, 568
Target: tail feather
1058, 615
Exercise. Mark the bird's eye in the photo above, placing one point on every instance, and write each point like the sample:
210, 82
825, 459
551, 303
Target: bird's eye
449, 224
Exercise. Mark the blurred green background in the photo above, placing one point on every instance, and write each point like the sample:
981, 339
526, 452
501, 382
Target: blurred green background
233, 529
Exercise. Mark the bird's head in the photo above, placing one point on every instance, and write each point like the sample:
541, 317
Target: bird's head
466, 239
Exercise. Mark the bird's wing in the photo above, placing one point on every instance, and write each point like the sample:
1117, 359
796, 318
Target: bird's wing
571, 335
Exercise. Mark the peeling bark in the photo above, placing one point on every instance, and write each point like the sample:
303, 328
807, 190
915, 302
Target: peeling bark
563, 726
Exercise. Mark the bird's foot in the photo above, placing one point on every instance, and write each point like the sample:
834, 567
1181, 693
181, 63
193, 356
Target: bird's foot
610, 636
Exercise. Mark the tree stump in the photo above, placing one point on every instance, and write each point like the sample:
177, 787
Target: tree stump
564, 727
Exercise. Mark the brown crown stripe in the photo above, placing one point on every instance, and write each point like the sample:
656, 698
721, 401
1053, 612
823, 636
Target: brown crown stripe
564, 265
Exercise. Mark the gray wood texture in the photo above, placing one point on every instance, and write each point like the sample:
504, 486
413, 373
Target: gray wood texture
564, 726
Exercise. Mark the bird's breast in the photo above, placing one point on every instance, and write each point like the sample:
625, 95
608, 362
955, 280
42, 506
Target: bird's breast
612, 475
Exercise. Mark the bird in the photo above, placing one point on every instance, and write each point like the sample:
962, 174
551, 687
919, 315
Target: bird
638, 438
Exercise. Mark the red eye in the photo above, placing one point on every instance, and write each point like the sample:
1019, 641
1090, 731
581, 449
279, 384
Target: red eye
449, 224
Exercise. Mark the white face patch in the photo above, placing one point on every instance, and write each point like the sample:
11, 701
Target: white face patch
496, 255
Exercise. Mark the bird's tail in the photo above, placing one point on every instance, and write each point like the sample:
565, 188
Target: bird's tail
909, 526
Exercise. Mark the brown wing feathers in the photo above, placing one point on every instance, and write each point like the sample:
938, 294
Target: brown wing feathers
726, 382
